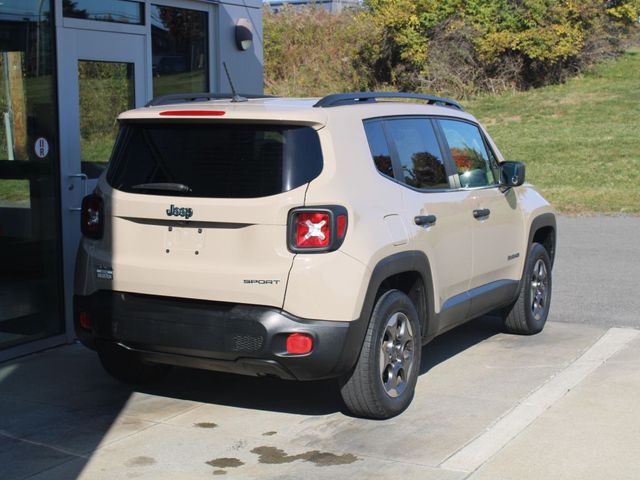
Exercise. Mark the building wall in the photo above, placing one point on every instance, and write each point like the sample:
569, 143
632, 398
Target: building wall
246, 68
54, 68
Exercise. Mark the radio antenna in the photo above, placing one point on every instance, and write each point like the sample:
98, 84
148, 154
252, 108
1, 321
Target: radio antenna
236, 97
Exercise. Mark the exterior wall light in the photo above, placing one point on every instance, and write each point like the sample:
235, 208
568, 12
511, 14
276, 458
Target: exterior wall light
244, 36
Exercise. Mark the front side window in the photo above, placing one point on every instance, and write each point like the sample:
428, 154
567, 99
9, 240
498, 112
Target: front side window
418, 153
474, 165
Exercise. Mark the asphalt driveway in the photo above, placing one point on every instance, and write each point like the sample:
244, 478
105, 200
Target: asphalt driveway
597, 274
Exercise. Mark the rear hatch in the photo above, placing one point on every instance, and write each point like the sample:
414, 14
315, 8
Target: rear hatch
199, 210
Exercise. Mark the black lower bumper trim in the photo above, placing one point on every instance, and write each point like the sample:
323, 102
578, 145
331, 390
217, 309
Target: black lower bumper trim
226, 337
243, 366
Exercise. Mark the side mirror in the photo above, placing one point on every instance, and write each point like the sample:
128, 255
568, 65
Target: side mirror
511, 174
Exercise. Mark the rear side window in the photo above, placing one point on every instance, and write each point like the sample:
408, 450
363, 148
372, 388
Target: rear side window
379, 148
214, 160
419, 153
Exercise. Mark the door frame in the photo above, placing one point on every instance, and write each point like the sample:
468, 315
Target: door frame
74, 44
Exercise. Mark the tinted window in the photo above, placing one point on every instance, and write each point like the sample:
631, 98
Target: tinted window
379, 148
179, 50
216, 161
118, 11
474, 166
419, 153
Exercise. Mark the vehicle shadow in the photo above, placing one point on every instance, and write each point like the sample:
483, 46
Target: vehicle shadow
58, 407
304, 398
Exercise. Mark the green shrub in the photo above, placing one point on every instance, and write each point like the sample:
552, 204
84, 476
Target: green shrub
310, 51
454, 47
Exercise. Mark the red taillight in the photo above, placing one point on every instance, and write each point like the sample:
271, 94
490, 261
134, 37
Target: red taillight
342, 225
92, 216
84, 320
313, 229
299, 343
317, 229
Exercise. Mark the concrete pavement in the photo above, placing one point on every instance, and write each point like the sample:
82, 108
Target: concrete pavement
562, 404
61, 417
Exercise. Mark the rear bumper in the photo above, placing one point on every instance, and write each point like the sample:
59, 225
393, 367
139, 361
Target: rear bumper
226, 337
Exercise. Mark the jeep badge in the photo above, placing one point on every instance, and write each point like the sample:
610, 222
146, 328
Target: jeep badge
174, 211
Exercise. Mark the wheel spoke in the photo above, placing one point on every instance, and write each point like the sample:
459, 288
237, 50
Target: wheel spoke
407, 356
392, 326
405, 333
393, 382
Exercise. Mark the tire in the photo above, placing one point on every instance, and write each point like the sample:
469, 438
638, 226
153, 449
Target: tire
127, 367
382, 385
528, 314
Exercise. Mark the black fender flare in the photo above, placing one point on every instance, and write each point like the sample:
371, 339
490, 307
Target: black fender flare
541, 221
402, 262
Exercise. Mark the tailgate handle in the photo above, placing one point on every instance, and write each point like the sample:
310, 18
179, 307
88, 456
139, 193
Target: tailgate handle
425, 220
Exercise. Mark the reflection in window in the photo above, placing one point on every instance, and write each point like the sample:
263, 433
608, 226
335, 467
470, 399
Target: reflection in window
106, 90
179, 49
469, 153
419, 153
30, 278
116, 11
379, 148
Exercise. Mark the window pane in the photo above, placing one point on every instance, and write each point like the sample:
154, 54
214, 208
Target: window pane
106, 89
379, 148
215, 160
419, 152
469, 153
116, 11
30, 279
179, 48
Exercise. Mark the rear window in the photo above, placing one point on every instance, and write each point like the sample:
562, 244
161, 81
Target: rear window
215, 161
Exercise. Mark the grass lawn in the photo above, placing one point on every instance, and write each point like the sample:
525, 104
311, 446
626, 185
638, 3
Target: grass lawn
580, 140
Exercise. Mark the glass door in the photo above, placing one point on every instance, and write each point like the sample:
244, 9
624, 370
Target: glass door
101, 75
30, 280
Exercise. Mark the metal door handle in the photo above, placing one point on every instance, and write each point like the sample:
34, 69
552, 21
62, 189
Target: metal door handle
84, 179
481, 213
425, 220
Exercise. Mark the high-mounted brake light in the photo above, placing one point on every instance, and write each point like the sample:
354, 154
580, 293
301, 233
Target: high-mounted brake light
192, 113
92, 216
317, 229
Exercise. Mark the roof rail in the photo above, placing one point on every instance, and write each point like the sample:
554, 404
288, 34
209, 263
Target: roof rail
196, 97
338, 99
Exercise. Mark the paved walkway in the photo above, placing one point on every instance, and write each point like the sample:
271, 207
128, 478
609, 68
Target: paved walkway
562, 404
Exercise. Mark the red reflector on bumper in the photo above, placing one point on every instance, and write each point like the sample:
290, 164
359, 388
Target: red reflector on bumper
85, 320
299, 343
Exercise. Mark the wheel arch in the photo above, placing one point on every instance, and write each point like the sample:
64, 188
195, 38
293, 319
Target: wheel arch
402, 270
543, 230
409, 272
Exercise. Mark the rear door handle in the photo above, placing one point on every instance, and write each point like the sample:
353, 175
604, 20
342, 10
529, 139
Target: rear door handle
425, 220
481, 213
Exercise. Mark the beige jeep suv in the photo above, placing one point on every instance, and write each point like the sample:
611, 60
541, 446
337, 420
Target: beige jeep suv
306, 239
